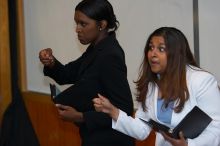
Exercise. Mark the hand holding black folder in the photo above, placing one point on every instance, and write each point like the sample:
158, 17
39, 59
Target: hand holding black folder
192, 124
73, 96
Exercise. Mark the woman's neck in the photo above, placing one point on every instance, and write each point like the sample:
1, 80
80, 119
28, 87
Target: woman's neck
101, 36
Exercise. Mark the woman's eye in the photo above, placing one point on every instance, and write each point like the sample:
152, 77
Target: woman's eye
83, 24
151, 47
162, 49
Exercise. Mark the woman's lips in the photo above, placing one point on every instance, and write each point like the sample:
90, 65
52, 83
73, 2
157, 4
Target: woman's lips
154, 62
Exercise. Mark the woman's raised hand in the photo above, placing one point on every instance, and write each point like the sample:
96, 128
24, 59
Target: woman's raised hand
46, 57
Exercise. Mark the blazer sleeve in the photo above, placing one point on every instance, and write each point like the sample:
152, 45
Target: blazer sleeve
113, 79
133, 127
205, 90
64, 74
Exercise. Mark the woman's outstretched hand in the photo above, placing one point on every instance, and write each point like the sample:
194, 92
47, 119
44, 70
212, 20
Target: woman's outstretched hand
102, 104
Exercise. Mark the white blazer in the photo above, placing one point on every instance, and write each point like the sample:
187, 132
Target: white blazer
203, 92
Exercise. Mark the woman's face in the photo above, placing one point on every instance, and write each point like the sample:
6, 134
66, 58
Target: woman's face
86, 28
157, 55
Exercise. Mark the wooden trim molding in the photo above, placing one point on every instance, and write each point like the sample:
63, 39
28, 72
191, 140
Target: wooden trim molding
21, 47
5, 72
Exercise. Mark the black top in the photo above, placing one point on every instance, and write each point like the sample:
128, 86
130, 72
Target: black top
101, 69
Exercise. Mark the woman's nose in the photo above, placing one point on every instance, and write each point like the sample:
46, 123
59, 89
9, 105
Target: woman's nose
78, 29
154, 51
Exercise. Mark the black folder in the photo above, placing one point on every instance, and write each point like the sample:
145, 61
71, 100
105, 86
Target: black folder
75, 97
53, 90
192, 124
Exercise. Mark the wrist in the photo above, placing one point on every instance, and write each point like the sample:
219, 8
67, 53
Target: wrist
186, 142
114, 113
79, 117
52, 62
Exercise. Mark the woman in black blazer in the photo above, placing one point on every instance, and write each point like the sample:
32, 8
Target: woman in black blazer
100, 69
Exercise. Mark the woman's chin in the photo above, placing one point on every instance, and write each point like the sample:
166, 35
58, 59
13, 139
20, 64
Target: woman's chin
83, 42
154, 70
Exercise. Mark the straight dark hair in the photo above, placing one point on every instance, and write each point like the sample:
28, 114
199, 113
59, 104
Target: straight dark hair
173, 84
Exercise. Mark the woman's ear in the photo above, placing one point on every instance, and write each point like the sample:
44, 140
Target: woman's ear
103, 25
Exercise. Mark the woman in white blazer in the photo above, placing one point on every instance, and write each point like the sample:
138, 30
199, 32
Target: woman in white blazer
170, 84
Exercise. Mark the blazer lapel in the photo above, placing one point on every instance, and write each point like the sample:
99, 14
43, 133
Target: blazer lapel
156, 90
88, 61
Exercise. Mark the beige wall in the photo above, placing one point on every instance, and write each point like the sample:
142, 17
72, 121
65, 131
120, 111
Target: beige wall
51, 24
209, 30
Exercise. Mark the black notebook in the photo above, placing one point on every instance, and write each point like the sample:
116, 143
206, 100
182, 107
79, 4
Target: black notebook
74, 96
192, 124
54, 91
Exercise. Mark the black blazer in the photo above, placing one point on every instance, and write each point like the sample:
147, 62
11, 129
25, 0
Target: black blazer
101, 69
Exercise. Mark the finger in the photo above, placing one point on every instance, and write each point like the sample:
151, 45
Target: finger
103, 98
45, 61
49, 51
98, 108
181, 135
61, 107
97, 105
96, 101
45, 52
42, 52
100, 96
45, 56
58, 105
166, 137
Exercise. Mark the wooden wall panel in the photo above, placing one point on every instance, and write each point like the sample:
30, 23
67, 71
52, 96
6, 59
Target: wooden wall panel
50, 130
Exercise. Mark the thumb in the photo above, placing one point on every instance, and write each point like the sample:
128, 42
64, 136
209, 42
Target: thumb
102, 97
60, 106
99, 95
